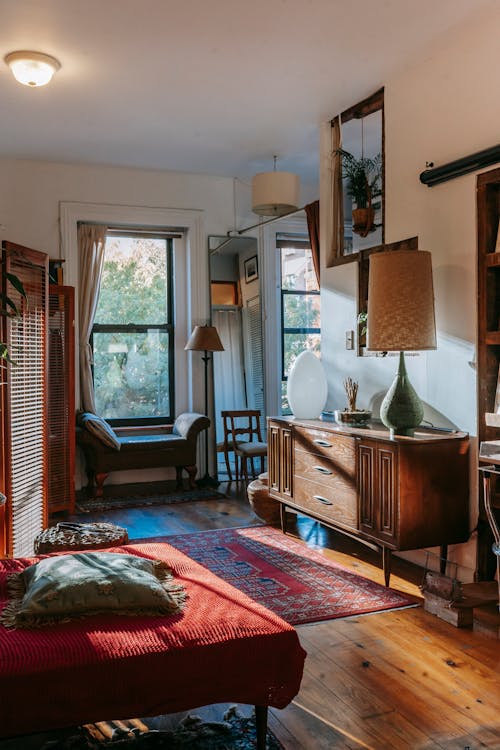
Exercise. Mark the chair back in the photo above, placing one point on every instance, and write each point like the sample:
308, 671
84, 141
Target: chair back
241, 424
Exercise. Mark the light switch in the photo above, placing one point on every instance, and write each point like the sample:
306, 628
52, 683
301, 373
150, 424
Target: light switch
349, 339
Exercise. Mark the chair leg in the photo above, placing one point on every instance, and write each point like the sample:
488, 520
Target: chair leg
253, 468
237, 467
228, 465
261, 726
244, 465
191, 470
178, 477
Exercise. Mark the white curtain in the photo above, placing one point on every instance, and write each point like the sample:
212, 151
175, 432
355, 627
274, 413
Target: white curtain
229, 381
91, 241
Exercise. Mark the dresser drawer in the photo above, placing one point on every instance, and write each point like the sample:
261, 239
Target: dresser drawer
320, 442
328, 500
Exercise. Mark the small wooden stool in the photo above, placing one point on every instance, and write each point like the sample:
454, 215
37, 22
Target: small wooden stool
66, 536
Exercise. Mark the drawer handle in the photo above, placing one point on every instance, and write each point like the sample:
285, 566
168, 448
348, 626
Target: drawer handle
322, 500
323, 443
322, 470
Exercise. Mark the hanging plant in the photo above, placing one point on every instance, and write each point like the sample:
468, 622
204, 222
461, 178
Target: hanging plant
363, 186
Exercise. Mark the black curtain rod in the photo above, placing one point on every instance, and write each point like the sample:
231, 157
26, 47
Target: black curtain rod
461, 166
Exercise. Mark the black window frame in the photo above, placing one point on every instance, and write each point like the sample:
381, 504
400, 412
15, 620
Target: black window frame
168, 328
283, 242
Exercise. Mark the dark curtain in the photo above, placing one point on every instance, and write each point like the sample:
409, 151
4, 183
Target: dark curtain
312, 213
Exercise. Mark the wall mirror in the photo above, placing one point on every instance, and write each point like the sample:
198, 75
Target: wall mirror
235, 299
361, 135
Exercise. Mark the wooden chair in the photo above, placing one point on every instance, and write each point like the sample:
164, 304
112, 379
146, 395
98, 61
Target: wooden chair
242, 435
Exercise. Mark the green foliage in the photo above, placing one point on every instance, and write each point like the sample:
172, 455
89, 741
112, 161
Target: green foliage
9, 309
131, 369
363, 176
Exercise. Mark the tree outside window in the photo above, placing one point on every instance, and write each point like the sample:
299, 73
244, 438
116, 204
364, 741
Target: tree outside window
132, 336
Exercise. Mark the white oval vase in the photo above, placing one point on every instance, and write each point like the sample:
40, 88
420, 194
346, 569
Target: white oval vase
307, 388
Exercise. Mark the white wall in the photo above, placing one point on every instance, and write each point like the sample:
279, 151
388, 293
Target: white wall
443, 108
30, 197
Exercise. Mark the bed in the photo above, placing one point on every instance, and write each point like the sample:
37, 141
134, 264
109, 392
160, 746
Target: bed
223, 647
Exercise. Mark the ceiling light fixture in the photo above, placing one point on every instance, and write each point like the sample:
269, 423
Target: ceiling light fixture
275, 193
32, 68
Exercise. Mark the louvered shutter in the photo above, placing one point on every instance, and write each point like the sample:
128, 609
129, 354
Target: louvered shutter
61, 395
255, 383
24, 401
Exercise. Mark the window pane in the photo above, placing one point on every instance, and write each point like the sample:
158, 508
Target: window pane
295, 343
297, 271
134, 281
301, 311
131, 374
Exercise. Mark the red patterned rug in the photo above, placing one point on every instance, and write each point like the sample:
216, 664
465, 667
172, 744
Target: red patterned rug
296, 582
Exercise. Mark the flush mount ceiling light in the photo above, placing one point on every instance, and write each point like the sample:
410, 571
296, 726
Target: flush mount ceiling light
32, 68
275, 193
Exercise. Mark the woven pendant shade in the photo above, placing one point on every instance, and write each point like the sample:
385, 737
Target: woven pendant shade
401, 302
275, 193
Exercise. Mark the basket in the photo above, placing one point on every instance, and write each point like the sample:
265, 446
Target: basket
74, 536
262, 504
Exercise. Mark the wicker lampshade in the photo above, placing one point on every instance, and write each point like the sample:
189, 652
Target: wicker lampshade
204, 339
275, 193
401, 302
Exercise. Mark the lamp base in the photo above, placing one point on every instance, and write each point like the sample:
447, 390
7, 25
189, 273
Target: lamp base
401, 410
207, 481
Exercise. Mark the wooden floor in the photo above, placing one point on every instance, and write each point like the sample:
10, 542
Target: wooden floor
401, 679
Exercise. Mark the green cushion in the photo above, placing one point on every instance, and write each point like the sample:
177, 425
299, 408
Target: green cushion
65, 587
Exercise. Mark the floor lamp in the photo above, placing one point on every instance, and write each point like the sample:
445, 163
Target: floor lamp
205, 339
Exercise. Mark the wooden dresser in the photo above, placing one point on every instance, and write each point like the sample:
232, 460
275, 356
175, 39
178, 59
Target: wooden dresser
399, 494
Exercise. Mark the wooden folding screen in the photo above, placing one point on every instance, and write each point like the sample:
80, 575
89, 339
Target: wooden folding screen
61, 393
23, 402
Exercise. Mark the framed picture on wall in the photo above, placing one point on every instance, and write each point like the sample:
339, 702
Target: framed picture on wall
251, 269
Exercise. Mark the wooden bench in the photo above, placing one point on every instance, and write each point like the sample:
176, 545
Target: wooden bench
172, 445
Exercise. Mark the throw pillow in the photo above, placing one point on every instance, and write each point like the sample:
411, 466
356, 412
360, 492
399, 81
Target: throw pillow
64, 587
99, 428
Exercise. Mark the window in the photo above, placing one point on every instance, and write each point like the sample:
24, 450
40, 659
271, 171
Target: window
300, 305
132, 337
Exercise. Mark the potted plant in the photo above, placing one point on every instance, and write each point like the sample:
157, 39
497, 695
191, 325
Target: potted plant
351, 415
364, 185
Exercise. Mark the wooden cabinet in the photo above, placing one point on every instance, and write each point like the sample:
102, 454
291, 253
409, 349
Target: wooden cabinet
488, 346
400, 494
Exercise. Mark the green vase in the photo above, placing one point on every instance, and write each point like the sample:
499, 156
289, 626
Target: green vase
401, 410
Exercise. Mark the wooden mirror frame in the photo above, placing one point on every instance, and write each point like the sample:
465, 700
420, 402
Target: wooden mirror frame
373, 103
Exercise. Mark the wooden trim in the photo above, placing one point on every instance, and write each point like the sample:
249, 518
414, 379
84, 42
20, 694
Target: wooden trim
365, 107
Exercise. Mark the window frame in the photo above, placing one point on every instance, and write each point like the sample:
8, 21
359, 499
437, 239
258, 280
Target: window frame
282, 242
168, 328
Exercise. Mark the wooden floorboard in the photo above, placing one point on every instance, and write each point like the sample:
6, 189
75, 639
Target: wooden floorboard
401, 680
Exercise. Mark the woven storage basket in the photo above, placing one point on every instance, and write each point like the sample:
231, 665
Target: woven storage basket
264, 506
73, 536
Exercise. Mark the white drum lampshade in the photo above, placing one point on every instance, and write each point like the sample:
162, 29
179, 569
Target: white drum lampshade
275, 193
307, 388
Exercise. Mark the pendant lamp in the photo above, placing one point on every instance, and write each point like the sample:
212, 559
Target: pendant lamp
275, 193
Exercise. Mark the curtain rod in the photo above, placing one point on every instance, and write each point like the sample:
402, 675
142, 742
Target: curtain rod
261, 223
459, 167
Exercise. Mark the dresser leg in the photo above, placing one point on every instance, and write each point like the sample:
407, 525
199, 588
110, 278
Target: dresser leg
283, 517
386, 562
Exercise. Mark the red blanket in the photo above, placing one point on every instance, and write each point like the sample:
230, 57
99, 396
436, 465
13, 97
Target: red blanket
223, 647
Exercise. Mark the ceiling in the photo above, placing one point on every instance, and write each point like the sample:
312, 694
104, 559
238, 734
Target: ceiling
205, 86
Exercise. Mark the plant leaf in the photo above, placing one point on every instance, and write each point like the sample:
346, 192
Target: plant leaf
16, 283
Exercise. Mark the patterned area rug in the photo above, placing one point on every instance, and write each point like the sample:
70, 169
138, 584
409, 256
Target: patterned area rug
139, 501
234, 732
296, 582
